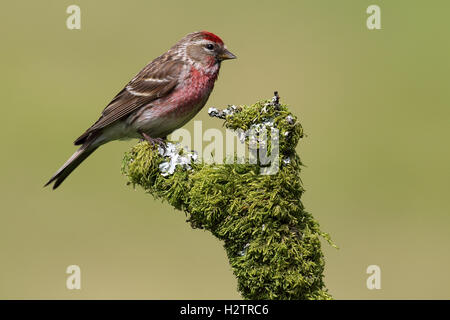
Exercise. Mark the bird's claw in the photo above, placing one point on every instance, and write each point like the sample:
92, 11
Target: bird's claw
155, 141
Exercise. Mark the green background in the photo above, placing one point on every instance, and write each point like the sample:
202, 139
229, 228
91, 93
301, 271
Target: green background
375, 106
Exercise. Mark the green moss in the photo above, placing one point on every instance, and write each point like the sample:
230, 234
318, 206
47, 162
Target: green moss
272, 243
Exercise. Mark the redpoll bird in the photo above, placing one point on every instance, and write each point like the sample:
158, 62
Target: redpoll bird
162, 97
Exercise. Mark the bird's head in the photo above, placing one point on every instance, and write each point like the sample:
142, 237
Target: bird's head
205, 48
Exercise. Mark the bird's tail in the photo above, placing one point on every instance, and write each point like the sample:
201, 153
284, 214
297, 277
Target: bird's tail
74, 161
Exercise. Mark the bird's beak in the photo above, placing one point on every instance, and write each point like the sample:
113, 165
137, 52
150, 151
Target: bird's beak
226, 55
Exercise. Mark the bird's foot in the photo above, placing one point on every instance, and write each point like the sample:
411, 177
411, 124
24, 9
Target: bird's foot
154, 141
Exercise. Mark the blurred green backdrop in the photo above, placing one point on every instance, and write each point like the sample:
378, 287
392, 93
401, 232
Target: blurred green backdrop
375, 106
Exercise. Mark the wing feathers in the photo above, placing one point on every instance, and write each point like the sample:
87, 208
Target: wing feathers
156, 80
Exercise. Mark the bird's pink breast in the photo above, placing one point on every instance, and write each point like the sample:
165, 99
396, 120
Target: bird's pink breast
182, 104
193, 94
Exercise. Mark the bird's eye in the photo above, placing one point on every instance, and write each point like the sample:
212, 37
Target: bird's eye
209, 46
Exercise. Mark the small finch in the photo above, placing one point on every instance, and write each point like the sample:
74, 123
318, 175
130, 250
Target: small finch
162, 97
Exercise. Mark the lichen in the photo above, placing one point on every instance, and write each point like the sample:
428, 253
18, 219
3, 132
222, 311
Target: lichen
272, 243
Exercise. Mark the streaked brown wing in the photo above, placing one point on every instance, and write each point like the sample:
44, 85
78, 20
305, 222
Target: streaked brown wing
156, 80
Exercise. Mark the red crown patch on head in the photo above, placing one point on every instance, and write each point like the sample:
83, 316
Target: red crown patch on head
212, 37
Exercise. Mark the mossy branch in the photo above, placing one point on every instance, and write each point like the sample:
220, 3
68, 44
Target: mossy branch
273, 244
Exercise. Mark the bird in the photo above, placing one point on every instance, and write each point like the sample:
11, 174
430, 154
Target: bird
167, 93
